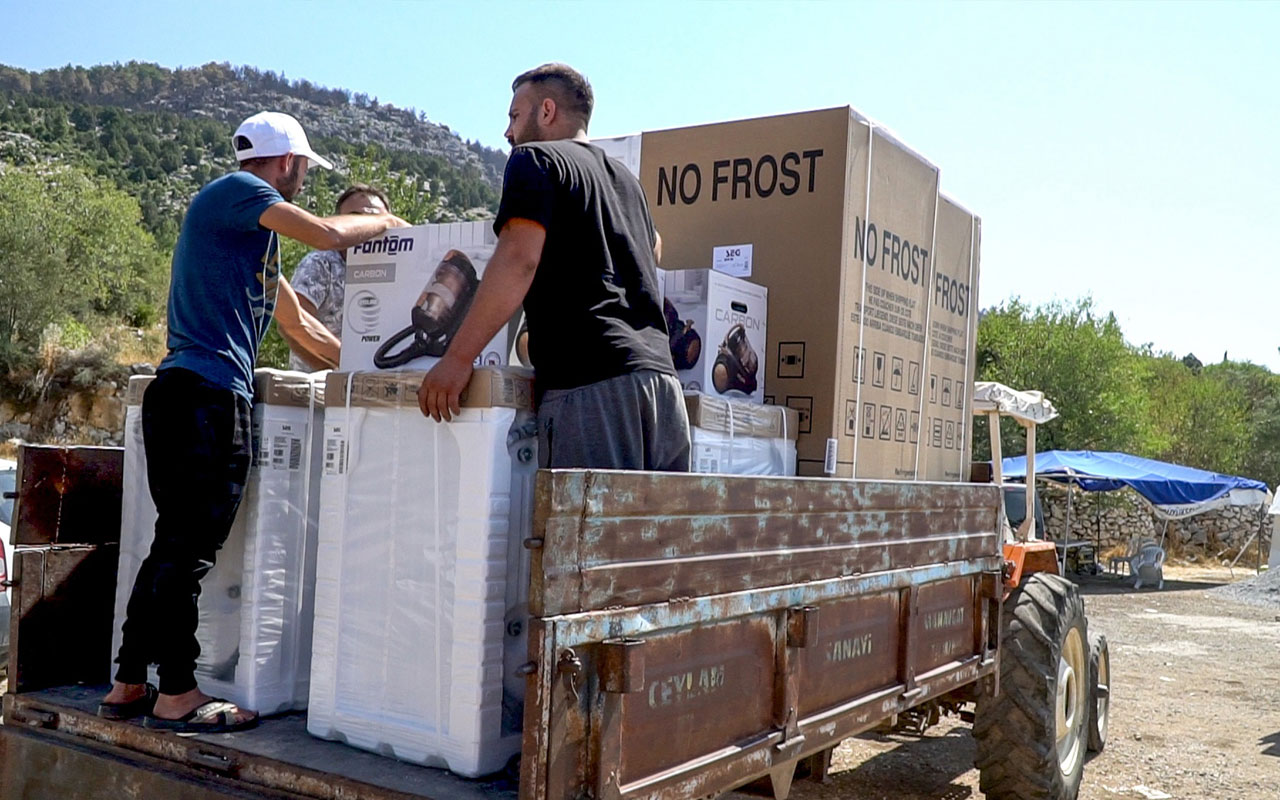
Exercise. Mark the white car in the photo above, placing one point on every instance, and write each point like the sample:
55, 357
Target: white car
8, 483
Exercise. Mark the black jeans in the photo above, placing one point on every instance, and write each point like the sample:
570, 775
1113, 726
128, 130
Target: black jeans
199, 445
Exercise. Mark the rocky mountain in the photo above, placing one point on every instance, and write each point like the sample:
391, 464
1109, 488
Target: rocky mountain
159, 133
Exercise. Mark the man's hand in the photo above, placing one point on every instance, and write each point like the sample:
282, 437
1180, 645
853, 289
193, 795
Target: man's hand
441, 389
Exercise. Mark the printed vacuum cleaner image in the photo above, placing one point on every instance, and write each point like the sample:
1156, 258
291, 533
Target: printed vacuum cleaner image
436, 316
686, 344
736, 364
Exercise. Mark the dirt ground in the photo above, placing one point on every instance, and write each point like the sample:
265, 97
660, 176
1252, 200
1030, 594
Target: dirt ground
1195, 711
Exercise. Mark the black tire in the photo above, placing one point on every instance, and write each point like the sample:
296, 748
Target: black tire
1024, 751
1099, 691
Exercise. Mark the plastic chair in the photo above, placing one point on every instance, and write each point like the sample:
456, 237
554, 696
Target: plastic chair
1148, 566
1136, 542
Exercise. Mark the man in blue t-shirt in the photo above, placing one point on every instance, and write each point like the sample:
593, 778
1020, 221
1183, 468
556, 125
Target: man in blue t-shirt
225, 289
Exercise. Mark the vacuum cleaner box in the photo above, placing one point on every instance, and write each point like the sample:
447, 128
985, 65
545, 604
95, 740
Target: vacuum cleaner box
842, 219
408, 292
716, 324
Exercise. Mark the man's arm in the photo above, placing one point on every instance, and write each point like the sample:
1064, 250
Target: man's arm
306, 335
306, 305
326, 233
657, 248
506, 281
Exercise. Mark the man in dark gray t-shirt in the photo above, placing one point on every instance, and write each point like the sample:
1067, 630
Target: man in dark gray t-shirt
577, 247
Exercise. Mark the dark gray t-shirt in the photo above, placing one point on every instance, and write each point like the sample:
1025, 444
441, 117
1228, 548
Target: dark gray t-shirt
594, 311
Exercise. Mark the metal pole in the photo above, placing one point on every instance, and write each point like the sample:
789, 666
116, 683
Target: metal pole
1245, 548
997, 457
1066, 537
1031, 482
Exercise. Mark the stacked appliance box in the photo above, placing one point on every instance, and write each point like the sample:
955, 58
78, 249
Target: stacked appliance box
422, 576
872, 276
255, 605
735, 437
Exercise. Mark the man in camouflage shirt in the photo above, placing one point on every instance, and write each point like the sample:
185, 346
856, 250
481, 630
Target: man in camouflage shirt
320, 280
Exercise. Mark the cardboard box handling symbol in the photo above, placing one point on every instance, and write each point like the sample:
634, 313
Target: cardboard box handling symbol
865, 262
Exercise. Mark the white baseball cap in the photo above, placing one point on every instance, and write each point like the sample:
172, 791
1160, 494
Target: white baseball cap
271, 133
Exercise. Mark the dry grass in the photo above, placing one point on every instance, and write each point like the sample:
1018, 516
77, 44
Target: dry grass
137, 345
9, 450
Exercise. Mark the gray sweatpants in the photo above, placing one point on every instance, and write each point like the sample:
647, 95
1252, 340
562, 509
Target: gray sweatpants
634, 421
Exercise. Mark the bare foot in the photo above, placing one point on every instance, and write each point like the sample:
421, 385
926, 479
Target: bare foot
177, 706
125, 692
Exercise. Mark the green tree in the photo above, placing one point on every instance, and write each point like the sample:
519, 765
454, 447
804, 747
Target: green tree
1078, 357
1197, 419
73, 249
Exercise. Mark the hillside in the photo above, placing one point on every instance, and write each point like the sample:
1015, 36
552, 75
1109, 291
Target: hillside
159, 134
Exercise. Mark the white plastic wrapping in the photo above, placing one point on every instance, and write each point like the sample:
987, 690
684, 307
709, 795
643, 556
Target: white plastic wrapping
738, 437
729, 454
256, 603
422, 583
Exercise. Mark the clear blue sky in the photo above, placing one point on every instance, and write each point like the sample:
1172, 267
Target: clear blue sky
1128, 151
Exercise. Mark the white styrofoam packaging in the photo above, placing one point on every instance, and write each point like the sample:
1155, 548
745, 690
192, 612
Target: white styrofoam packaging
716, 324
736, 437
422, 579
722, 453
255, 605
408, 292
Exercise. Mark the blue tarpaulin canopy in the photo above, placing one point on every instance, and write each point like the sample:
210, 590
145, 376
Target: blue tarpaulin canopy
1174, 491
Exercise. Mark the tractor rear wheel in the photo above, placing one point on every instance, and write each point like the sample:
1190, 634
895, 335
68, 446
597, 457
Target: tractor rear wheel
1032, 737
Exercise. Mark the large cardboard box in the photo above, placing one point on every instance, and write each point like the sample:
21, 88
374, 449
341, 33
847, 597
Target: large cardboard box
717, 324
842, 221
408, 292
953, 328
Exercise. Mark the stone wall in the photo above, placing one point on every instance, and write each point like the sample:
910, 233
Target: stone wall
69, 414
1112, 517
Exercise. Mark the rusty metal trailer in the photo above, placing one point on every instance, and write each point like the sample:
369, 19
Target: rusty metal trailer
690, 634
